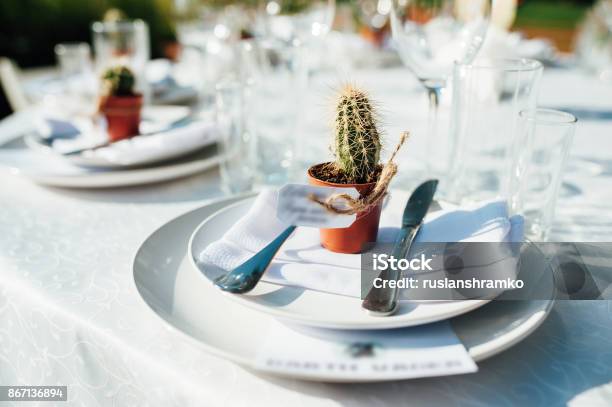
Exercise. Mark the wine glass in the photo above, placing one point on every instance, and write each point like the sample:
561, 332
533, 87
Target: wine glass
430, 37
123, 42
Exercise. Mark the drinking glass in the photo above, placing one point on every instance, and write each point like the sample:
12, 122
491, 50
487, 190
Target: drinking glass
430, 36
294, 21
207, 32
235, 141
300, 24
487, 97
374, 15
73, 59
273, 109
79, 85
544, 138
123, 43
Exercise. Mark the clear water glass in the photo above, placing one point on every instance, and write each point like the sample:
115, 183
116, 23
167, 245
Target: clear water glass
79, 85
123, 43
269, 68
286, 53
235, 141
430, 37
73, 59
295, 21
487, 98
543, 144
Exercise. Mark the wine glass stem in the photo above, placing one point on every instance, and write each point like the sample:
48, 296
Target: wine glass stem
433, 93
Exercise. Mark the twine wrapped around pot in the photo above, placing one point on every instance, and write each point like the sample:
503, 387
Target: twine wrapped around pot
352, 205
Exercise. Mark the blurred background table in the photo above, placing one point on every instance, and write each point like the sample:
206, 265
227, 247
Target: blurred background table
71, 314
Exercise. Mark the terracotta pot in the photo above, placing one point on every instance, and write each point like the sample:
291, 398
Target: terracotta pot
374, 36
122, 115
420, 15
364, 230
172, 50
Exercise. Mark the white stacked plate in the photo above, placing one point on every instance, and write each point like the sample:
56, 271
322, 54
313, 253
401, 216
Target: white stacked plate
141, 160
170, 282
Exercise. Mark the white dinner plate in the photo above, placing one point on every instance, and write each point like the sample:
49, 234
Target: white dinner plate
311, 307
49, 170
188, 303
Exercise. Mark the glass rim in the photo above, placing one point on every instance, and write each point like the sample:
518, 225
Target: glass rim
555, 117
119, 26
506, 64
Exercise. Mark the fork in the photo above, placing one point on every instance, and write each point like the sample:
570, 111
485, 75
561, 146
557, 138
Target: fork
245, 277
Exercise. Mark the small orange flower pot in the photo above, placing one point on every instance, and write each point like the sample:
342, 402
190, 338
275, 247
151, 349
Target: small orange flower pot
373, 36
172, 50
364, 230
122, 116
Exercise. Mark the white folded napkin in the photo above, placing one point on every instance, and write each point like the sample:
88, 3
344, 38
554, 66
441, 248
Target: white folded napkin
304, 263
75, 134
598, 396
159, 146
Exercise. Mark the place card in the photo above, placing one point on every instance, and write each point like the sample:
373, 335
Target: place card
424, 351
295, 206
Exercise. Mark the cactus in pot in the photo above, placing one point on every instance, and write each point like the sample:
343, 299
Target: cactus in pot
357, 140
119, 81
120, 103
357, 147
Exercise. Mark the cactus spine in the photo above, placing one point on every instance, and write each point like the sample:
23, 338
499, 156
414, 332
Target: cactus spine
357, 138
118, 81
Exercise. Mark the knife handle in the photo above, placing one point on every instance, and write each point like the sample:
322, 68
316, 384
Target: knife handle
383, 301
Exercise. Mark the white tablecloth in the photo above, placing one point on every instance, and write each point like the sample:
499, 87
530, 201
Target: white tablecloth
70, 313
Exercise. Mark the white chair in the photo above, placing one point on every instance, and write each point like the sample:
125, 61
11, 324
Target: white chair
11, 85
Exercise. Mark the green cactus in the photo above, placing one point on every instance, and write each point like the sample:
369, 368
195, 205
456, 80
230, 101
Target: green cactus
118, 81
357, 138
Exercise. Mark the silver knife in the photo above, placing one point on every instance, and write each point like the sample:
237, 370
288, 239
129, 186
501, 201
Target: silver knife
383, 301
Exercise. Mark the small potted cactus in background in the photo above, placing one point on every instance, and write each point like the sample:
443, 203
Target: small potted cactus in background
357, 165
120, 103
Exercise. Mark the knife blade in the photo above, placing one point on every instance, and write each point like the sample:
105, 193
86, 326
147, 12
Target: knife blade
383, 301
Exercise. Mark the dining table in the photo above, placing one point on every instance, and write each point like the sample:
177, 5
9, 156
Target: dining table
71, 314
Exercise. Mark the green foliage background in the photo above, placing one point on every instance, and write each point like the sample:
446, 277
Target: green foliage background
551, 13
29, 29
